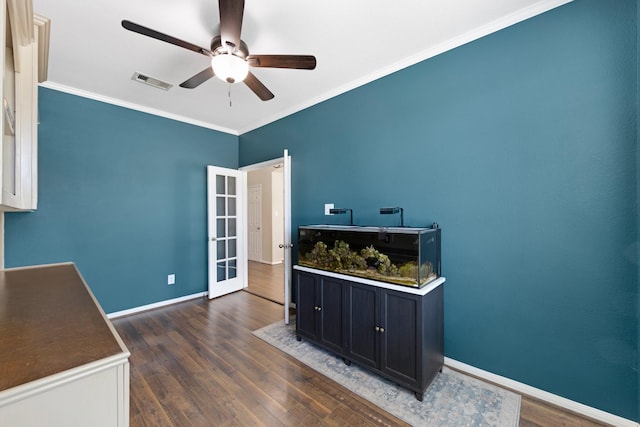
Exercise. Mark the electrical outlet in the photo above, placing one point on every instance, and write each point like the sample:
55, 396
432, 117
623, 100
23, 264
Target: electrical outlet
328, 206
171, 279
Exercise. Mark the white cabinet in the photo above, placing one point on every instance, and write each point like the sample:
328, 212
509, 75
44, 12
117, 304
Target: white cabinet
63, 363
23, 65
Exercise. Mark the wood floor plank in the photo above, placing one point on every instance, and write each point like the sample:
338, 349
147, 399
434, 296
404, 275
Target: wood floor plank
197, 363
266, 281
537, 414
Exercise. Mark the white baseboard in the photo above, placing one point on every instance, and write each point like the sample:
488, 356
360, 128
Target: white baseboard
545, 396
263, 261
154, 305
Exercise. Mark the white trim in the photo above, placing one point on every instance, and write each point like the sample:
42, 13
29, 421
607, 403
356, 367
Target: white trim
553, 399
137, 107
159, 304
262, 165
41, 385
469, 36
44, 37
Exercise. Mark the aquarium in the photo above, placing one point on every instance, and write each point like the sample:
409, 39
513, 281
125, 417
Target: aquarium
405, 256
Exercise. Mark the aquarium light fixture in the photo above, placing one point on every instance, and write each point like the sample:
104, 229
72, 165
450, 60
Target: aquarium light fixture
392, 211
340, 211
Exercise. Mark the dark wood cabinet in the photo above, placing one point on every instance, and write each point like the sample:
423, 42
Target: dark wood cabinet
320, 311
397, 333
363, 322
400, 322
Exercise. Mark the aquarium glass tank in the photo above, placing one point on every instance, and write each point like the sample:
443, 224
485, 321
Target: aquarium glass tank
400, 255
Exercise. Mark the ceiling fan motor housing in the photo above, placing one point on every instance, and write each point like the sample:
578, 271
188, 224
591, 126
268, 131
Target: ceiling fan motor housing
241, 51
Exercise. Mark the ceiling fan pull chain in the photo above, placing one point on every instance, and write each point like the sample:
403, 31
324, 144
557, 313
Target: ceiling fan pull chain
229, 93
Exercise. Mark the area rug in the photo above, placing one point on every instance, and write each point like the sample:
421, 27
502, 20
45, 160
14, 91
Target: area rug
452, 399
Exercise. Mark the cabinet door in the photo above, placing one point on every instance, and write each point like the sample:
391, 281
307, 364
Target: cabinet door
362, 320
401, 337
332, 318
306, 313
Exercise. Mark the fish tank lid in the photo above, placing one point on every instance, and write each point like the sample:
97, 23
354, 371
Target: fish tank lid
406, 230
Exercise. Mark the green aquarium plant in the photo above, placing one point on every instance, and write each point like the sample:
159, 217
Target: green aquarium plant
368, 263
379, 260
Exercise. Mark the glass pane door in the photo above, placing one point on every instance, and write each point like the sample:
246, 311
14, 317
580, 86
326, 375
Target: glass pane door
226, 260
226, 235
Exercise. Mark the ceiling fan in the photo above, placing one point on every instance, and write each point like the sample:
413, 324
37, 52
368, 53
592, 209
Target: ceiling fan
230, 58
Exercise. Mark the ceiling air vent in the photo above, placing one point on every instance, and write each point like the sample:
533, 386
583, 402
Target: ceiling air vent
150, 81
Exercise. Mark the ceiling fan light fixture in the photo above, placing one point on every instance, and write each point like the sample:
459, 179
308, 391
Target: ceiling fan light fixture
229, 67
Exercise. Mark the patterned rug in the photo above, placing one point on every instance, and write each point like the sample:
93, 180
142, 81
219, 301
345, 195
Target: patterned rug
452, 399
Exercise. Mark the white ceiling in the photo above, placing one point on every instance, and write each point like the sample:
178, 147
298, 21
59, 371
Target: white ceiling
354, 41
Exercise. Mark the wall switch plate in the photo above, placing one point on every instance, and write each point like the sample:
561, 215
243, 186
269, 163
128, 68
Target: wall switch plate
328, 206
171, 279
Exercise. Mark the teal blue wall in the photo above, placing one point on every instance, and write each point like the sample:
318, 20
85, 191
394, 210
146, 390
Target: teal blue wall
121, 194
638, 195
522, 146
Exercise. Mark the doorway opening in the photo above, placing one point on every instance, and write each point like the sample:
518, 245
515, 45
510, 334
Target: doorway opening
265, 208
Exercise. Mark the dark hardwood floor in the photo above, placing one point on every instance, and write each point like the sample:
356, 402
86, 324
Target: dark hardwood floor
196, 363
266, 281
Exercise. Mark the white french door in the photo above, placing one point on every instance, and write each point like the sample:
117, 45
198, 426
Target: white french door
226, 217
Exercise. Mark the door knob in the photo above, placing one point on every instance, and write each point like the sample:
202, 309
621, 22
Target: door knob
213, 239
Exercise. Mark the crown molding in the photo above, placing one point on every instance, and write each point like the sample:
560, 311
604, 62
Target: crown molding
469, 36
137, 107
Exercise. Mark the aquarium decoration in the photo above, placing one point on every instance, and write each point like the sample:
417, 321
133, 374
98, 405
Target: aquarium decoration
400, 255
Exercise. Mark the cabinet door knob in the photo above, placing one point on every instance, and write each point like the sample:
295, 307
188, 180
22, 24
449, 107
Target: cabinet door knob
381, 330
319, 308
377, 329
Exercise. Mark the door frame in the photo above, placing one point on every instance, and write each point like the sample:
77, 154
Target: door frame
286, 218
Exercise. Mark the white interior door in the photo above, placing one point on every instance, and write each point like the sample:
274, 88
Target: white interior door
254, 197
286, 219
226, 218
287, 244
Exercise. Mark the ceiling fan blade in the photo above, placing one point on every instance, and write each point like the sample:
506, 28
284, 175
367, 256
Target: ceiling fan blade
257, 87
231, 12
299, 62
198, 79
136, 28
